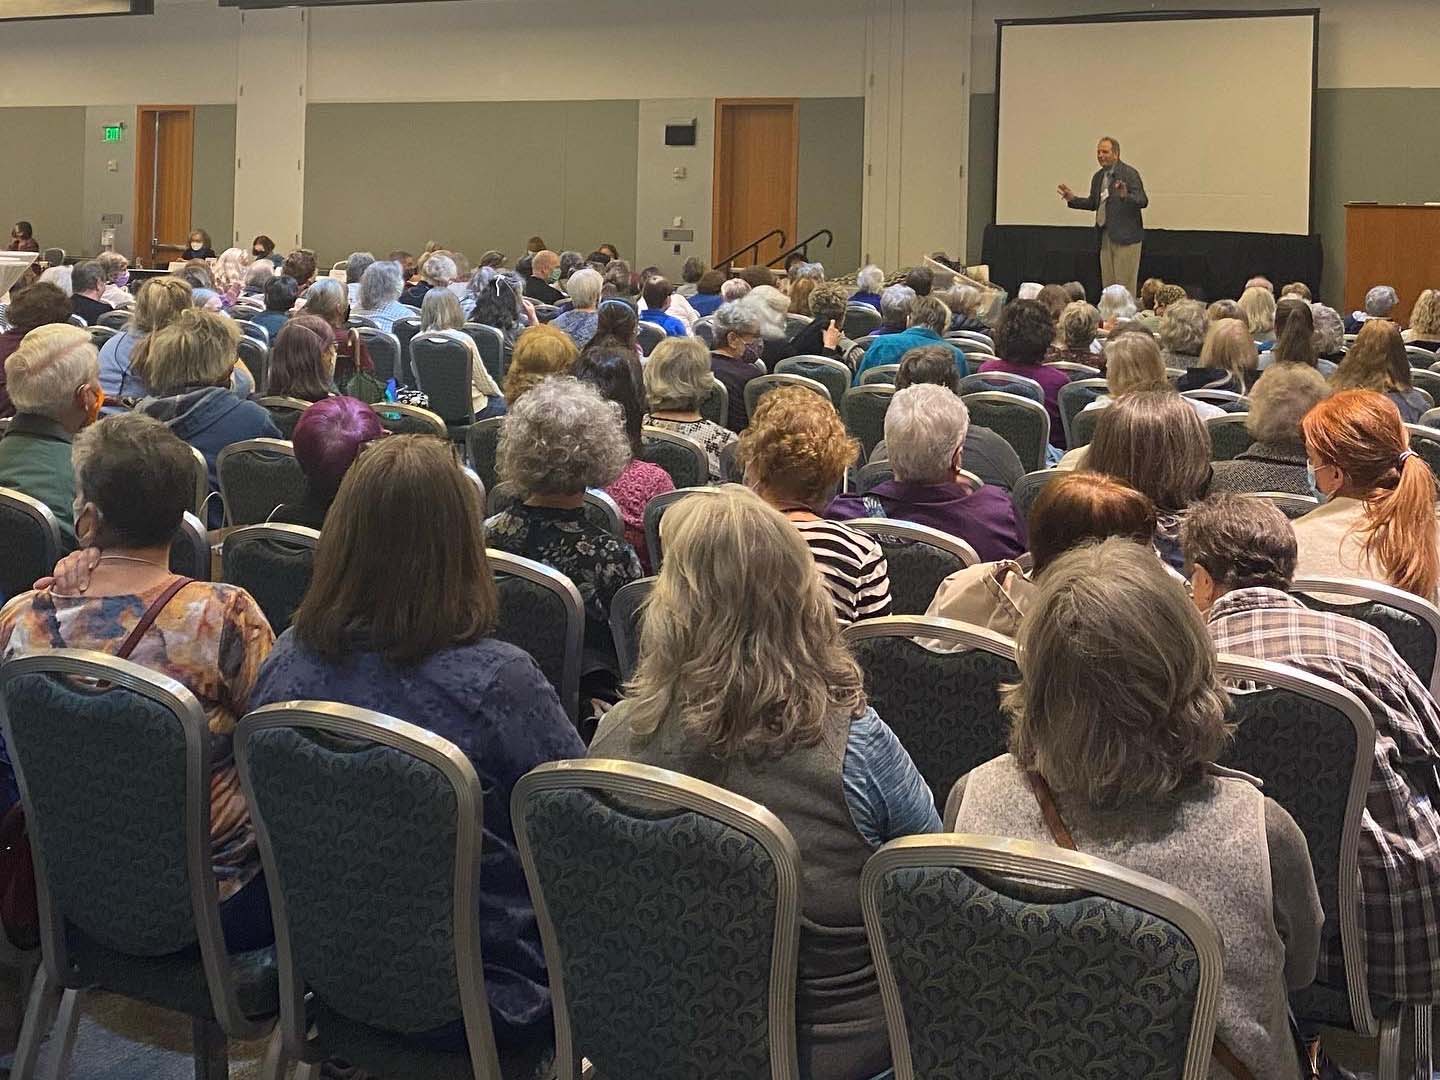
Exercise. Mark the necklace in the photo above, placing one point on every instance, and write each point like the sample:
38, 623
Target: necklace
131, 558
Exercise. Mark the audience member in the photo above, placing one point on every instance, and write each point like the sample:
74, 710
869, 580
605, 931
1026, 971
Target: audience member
1227, 360
256, 278
707, 296
1073, 509
734, 289
690, 275
656, 295
436, 272
868, 283
59, 276
400, 620
1243, 553
544, 272
1275, 460
22, 237
1182, 334
772, 707
579, 322
40, 305
1111, 744
327, 438
1225, 308
770, 306
794, 454
134, 482
262, 247
929, 322
1079, 324
800, 296
1380, 303
1075, 291
440, 314
87, 283
355, 267
1133, 364
115, 273
1424, 329
158, 303
561, 438
615, 372
302, 360
54, 382
1377, 361
964, 303
300, 265
1260, 281
187, 366
1116, 306
677, 380
1149, 290
755, 276
281, 292
378, 297
1295, 337
735, 356
617, 325
499, 301
570, 261
1297, 288
1153, 441
1022, 338
925, 431
1329, 335
824, 334
540, 351
326, 300
229, 275
1378, 521
1258, 304
895, 303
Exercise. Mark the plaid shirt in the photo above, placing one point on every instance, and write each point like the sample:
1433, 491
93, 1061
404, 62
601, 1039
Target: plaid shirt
1399, 831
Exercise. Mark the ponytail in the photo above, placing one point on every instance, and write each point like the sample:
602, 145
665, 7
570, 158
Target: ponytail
1402, 534
1296, 342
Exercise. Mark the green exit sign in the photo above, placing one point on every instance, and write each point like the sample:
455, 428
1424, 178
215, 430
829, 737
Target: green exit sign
113, 132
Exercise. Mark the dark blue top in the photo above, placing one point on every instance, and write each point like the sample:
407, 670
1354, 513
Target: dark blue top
492, 702
669, 323
871, 298
706, 303
274, 322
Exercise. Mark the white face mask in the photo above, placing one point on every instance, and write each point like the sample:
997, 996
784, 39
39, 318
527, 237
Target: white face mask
196, 245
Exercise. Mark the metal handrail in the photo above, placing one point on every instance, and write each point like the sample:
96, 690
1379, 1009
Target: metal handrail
755, 247
804, 246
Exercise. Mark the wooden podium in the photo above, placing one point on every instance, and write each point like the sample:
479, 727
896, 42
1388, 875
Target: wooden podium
1391, 244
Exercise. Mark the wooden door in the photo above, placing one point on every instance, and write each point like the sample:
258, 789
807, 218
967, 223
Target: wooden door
164, 160
757, 167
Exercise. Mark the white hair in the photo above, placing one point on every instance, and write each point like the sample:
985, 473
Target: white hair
925, 426
51, 362
1116, 303
736, 317
561, 438
771, 305
895, 303
380, 284
439, 269
870, 278
1379, 301
59, 276
585, 286
734, 289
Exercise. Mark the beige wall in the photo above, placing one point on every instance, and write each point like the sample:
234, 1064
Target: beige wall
45, 159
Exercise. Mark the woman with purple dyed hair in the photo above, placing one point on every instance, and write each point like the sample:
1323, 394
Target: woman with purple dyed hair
328, 437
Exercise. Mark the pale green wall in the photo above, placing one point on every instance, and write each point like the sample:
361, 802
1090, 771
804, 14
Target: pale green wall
832, 180
472, 175
212, 197
44, 158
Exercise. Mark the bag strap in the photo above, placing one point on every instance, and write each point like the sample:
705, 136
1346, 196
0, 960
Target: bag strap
152, 613
1060, 833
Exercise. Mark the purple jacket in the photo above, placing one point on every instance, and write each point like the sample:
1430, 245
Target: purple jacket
985, 518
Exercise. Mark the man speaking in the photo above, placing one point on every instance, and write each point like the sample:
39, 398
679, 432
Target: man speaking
1117, 195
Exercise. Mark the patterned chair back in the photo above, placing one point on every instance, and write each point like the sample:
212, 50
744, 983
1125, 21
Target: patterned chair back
648, 335
1023, 423
256, 356
1082, 428
863, 410
1027, 490
482, 444
1002, 382
405, 329
944, 707
251, 329
285, 412
757, 388
1071, 400
1229, 437
680, 456
886, 374
1426, 442
1008, 959
1313, 744
609, 844
1288, 503
919, 558
716, 406
547, 313
331, 937
655, 510
101, 334
705, 331
442, 371
541, 612
873, 475
256, 476
274, 564
1075, 371
832, 374
385, 353
626, 609
490, 341
30, 542
1411, 623
860, 319
190, 550
408, 419
115, 320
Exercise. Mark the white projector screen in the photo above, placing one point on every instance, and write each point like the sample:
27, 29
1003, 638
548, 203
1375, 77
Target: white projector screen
1214, 112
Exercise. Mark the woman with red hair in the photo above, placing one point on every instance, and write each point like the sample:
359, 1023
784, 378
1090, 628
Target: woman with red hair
1378, 521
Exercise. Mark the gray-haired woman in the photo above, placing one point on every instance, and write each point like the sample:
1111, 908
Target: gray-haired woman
734, 358
379, 297
580, 321
677, 380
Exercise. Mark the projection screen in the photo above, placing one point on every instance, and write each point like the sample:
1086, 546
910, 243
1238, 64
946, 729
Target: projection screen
1215, 111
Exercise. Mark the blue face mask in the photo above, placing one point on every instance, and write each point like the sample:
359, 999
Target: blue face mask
1314, 487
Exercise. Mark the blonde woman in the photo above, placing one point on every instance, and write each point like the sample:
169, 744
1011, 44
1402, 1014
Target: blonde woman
1133, 363
1378, 361
440, 314
1075, 334
229, 274
1116, 740
158, 303
677, 380
1228, 360
743, 681
540, 352
1425, 321
1259, 307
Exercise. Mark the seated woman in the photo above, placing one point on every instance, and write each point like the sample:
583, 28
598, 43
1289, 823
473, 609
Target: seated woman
735, 356
360, 638
1228, 360
964, 302
707, 296
199, 246
302, 360
1022, 339
39, 305
116, 270
499, 301
771, 306
1295, 338
1275, 460
1182, 334
677, 379
188, 366
616, 325
134, 480
1115, 742
1378, 521
824, 334
257, 276
1329, 334
1258, 304
1377, 361
158, 303
561, 438
540, 352
327, 438
327, 299
1154, 442
1073, 509
229, 274
795, 453
1075, 333
440, 314
579, 322
772, 706
1133, 363
925, 431
378, 298
615, 372
281, 292
868, 283
1424, 329
1116, 306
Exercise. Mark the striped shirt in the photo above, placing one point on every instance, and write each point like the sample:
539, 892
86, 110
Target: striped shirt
1399, 856
852, 565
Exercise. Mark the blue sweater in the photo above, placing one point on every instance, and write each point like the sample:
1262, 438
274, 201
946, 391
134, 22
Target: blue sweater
890, 348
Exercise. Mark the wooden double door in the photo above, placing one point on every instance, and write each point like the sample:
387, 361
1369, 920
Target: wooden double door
164, 177
757, 169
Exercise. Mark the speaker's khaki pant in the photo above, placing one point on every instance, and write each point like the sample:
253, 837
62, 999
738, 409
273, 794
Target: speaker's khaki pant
1120, 265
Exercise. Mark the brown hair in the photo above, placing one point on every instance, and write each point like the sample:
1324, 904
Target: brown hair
1229, 347
39, 305
1241, 541
1360, 433
1154, 441
540, 352
1053, 298
1082, 506
1148, 292
796, 446
800, 296
382, 585
1376, 361
297, 359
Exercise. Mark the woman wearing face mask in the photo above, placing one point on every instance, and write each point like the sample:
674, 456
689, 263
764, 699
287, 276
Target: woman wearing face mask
22, 237
199, 245
734, 358
1378, 521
